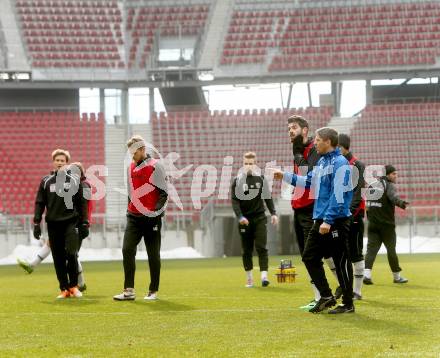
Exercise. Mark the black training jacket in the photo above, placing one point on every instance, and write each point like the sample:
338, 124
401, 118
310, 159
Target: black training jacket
381, 202
61, 195
247, 193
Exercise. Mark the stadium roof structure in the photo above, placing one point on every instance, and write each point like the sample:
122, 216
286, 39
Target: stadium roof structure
60, 81
234, 41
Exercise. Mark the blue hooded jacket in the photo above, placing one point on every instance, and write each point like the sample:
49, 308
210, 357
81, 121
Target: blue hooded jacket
331, 183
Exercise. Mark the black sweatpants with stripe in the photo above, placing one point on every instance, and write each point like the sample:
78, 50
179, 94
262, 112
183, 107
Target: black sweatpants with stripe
64, 243
149, 229
356, 241
302, 224
334, 244
378, 234
254, 234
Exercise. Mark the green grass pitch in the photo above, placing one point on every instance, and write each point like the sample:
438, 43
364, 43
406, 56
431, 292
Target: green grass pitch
205, 310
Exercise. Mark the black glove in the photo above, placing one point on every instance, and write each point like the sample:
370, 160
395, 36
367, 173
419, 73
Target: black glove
405, 204
37, 231
83, 231
298, 145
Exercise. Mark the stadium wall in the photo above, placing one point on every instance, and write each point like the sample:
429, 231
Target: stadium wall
56, 98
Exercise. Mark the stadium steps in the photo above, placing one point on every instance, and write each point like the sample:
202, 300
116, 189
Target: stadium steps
283, 207
115, 154
219, 19
115, 150
342, 124
17, 56
144, 130
122, 49
274, 51
3, 49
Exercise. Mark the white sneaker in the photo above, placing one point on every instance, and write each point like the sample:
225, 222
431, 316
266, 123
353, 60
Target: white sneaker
249, 283
151, 296
75, 292
126, 295
63, 294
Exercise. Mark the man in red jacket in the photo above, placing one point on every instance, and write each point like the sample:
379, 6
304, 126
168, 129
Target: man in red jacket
147, 201
305, 158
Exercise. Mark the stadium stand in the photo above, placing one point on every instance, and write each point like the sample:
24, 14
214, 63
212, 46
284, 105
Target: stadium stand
402, 134
3, 49
405, 135
78, 34
204, 138
357, 36
28, 139
145, 23
109, 36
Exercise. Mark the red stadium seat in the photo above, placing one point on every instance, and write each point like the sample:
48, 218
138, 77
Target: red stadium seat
41, 140
226, 124
72, 23
351, 31
391, 136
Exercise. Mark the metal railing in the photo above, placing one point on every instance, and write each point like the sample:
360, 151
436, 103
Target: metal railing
422, 216
107, 231
103, 225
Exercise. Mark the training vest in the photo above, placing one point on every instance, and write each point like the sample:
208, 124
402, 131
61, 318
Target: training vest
90, 204
361, 206
305, 199
140, 175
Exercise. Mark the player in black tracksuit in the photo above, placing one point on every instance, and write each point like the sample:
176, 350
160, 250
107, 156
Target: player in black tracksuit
247, 193
381, 202
357, 208
61, 195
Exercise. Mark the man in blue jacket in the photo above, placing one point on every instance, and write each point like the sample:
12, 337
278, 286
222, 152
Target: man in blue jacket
331, 184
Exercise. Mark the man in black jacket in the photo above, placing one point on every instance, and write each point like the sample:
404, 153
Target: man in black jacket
61, 195
248, 192
357, 208
83, 231
381, 202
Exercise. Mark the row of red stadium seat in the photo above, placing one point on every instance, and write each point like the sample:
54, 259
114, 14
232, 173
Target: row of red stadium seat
194, 135
77, 64
76, 48
38, 115
71, 23
40, 133
43, 15
67, 4
361, 36
106, 35
98, 27
398, 134
60, 23
92, 42
299, 38
76, 56
384, 10
187, 9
